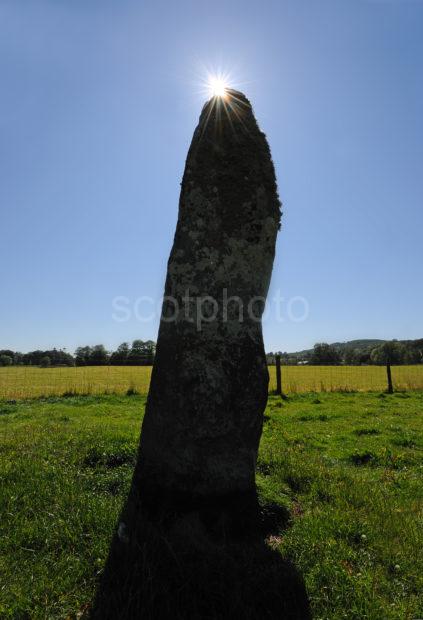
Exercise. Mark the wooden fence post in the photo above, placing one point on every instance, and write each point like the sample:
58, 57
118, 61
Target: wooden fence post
389, 375
278, 375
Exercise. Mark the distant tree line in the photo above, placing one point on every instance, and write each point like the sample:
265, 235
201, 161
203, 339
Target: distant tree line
140, 353
323, 354
53, 357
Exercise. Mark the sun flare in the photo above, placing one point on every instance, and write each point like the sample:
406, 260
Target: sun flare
217, 86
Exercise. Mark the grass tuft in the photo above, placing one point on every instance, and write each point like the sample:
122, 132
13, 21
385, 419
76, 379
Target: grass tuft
366, 431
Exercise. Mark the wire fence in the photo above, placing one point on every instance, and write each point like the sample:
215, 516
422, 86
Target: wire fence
32, 382
346, 378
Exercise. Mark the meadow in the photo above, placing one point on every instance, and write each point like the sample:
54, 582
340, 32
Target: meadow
31, 381
345, 470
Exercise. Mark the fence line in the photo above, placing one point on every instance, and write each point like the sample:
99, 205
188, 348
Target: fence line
30, 381
346, 378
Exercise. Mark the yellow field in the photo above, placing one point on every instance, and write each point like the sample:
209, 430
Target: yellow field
346, 378
27, 381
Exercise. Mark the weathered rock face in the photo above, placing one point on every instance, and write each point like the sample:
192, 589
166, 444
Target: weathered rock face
190, 539
209, 384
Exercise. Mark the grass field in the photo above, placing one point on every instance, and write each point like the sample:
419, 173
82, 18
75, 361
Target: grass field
31, 382
347, 468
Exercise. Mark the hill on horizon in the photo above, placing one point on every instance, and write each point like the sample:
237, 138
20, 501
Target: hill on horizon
361, 344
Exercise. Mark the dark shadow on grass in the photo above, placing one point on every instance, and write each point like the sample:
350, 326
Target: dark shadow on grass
199, 559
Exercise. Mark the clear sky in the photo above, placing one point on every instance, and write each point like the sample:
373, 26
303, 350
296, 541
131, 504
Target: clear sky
98, 103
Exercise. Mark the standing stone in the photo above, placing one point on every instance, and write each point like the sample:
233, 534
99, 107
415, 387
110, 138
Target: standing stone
189, 544
209, 385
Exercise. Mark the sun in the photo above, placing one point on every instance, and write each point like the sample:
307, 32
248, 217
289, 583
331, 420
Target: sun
217, 86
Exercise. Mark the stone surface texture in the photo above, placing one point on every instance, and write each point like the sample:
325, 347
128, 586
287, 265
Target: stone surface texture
209, 385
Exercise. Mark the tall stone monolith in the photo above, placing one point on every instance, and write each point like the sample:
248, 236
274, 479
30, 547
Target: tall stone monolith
189, 543
209, 385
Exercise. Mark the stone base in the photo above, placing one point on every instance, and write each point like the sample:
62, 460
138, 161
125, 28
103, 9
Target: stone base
208, 559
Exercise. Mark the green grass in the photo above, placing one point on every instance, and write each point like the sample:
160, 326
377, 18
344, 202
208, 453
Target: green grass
32, 382
348, 467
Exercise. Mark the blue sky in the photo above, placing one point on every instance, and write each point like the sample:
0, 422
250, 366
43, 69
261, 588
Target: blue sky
98, 103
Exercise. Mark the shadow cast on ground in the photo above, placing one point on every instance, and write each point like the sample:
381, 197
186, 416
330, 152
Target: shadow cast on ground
191, 565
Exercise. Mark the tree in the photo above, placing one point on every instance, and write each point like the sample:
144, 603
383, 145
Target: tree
325, 355
5, 360
150, 352
98, 356
363, 356
142, 353
120, 356
82, 356
412, 356
418, 346
45, 362
60, 357
136, 354
391, 352
350, 356
7, 352
18, 359
33, 358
